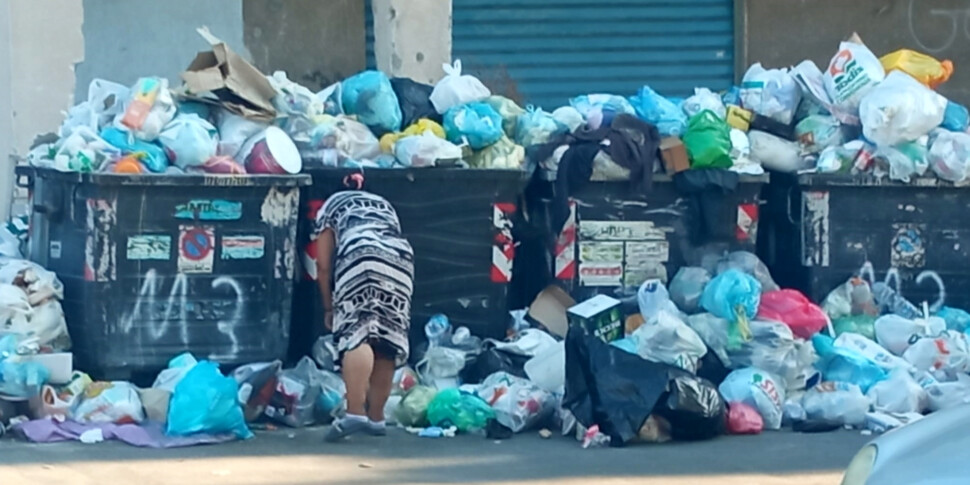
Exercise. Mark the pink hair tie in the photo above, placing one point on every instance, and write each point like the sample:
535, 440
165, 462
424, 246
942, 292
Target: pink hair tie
354, 181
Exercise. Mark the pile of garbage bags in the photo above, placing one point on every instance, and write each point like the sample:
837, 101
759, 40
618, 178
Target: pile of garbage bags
238, 121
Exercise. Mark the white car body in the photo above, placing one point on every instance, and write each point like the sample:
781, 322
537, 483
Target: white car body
932, 451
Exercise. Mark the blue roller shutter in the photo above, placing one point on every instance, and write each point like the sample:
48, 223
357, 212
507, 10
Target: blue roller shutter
545, 51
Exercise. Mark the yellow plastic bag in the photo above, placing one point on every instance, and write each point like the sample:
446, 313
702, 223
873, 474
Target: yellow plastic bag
924, 68
417, 128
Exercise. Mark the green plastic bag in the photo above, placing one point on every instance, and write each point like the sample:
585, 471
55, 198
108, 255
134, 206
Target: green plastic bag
462, 410
413, 409
708, 141
864, 325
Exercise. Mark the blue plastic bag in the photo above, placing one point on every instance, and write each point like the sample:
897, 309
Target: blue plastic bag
369, 95
956, 319
205, 401
19, 379
535, 127
478, 123
733, 296
843, 365
956, 117
155, 159
600, 109
660, 111
732, 96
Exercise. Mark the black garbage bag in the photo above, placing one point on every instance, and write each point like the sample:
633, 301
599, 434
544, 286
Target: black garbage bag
610, 387
711, 368
415, 101
694, 408
490, 361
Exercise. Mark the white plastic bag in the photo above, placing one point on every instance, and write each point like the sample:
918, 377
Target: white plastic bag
668, 340
178, 367
105, 101
944, 395
775, 153
770, 348
161, 112
704, 99
851, 74
40, 283
946, 355
896, 333
189, 140
949, 156
770, 92
900, 393
904, 161
456, 89
758, 389
440, 363
425, 150
351, 139
871, 350
234, 130
518, 403
15, 310
110, 402
714, 332
569, 116
900, 110
652, 298
836, 402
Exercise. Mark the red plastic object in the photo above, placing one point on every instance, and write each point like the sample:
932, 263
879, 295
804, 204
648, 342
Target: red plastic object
793, 309
743, 419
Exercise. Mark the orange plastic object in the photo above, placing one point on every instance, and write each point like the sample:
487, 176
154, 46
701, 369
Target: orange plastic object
128, 164
922, 67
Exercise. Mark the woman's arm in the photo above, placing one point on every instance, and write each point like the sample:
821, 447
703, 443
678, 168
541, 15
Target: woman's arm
325, 246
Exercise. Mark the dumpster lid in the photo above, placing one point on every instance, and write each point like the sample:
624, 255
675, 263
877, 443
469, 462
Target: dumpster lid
182, 180
869, 180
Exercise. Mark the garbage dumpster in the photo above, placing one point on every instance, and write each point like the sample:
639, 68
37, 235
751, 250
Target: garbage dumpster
155, 265
616, 237
825, 228
459, 223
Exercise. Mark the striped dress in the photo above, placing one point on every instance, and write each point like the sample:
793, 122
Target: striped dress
373, 274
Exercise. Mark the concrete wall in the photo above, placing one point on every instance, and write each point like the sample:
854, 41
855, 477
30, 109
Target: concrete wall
315, 42
412, 38
128, 39
38, 51
785, 32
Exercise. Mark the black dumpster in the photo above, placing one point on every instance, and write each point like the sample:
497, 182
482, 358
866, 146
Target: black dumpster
156, 265
459, 223
822, 229
617, 236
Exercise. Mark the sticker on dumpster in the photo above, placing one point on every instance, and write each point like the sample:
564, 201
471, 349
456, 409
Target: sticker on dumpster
209, 210
747, 228
907, 249
620, 230
243, 247
600, 274
55, 249
601, 252
645, 253
195, 249
149, 246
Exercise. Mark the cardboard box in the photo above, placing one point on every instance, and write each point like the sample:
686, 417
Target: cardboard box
674, 154
239, 87
549, 310
601, 316
60, 365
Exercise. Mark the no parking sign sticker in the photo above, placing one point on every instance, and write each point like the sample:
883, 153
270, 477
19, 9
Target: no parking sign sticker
196, 249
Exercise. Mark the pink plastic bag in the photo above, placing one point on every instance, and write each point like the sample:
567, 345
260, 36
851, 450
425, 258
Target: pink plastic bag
743, 419
793, 309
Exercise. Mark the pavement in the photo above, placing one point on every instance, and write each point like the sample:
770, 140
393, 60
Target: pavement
299, 457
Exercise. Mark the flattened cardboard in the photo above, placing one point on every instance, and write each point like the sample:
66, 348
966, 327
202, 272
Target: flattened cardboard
240, 87
549, 309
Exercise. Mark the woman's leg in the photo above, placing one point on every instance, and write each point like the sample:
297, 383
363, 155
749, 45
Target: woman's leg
381, 380
357, 367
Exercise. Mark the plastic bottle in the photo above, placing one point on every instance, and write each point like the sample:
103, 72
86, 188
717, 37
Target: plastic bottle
438, 330
889, 300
